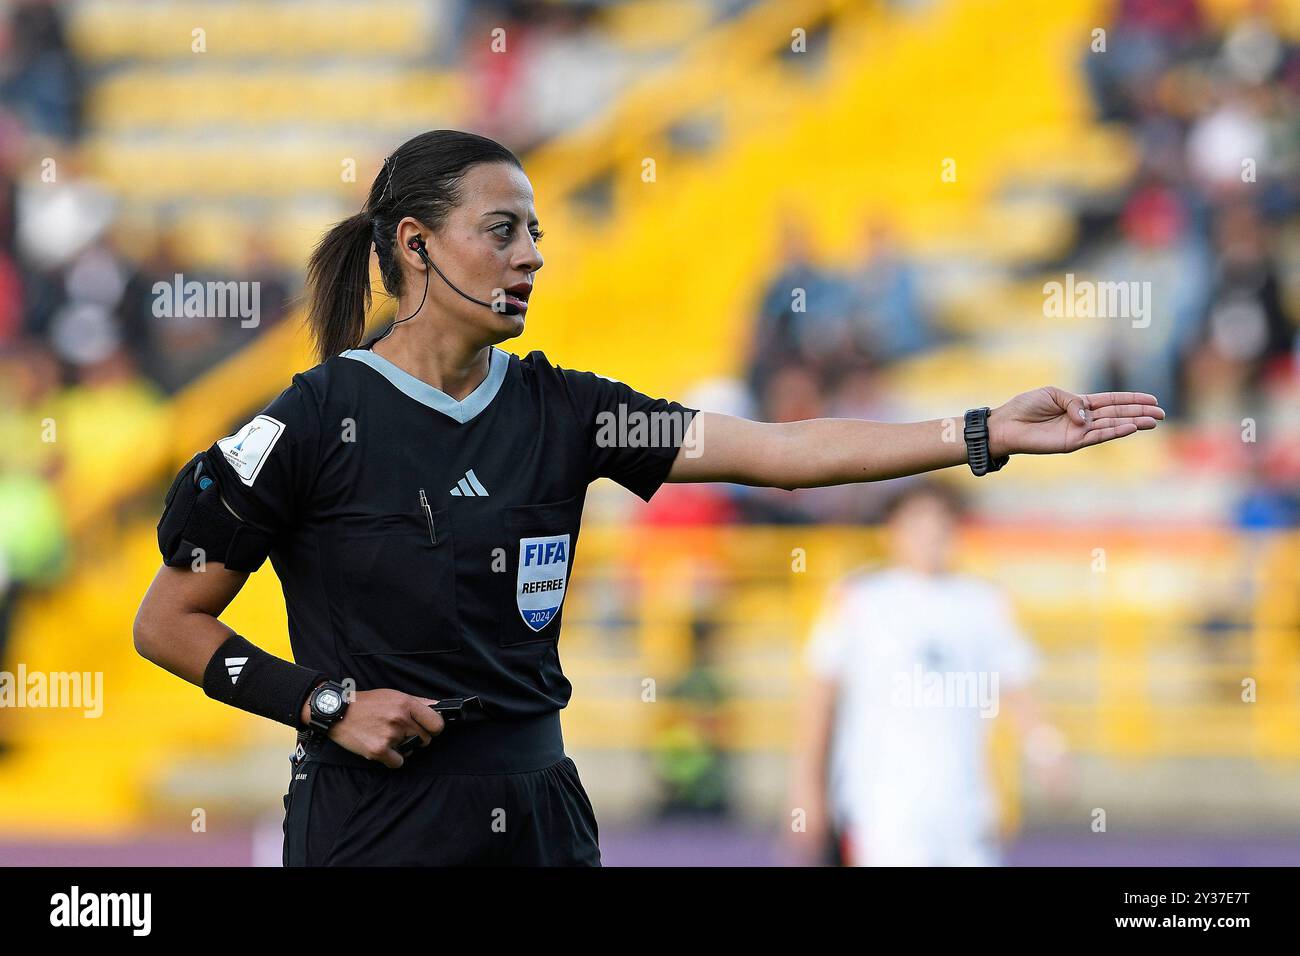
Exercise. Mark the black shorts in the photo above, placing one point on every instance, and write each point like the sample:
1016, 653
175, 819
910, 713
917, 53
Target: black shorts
495, 793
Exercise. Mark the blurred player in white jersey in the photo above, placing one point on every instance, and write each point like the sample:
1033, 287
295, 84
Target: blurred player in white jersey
909, 666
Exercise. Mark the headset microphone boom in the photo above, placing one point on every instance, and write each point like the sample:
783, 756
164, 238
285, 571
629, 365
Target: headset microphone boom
416, 245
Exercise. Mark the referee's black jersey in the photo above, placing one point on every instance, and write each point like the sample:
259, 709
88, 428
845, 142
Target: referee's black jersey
425, 544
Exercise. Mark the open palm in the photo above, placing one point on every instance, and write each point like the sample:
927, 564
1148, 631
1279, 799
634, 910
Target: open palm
1051, 421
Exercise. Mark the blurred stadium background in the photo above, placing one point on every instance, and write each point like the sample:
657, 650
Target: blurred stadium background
139, 140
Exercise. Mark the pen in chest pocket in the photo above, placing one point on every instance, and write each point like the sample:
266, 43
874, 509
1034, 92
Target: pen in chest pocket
428, 513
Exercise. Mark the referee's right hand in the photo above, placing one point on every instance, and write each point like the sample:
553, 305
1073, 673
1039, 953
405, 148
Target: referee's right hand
378, 720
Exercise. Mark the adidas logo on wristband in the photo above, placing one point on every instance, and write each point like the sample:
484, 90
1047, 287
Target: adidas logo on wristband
233, 666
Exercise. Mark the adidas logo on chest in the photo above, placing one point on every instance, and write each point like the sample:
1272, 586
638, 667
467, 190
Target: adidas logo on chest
469, 487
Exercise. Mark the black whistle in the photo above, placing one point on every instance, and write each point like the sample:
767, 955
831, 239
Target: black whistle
451, 708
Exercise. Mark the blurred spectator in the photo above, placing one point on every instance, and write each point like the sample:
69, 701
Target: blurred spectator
33, 550
39, 79
11, 298
1142, 38
1224, 140
33, 541
690, 750
1269, 500
173, 347
1246, 333
30, 388
275, 285
1169, 266
551, 67
540, 68
803, 315
888, 316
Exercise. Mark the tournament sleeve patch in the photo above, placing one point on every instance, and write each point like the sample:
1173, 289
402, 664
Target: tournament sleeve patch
247, 449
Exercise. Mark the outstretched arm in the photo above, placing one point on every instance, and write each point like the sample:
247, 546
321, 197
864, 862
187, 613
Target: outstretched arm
837, 451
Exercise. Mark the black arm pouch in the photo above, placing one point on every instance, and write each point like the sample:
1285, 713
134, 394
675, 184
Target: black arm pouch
194, 517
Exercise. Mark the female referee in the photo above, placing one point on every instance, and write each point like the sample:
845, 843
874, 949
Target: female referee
420, 495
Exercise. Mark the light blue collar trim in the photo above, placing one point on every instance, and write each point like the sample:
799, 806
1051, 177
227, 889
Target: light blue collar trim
435, 398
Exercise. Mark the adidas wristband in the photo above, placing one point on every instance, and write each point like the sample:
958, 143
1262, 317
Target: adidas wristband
245, 676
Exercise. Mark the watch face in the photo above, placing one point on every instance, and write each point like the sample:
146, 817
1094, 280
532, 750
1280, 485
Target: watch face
328, 702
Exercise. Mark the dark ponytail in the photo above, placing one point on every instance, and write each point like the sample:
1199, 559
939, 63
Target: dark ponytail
338, 275
420, 179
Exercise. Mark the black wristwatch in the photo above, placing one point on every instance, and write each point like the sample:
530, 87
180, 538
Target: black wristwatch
977, 443
328, 702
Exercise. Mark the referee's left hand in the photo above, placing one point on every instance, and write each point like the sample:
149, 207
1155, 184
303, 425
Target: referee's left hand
1051, 421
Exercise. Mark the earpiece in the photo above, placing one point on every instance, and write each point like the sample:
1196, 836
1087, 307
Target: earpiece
416, 245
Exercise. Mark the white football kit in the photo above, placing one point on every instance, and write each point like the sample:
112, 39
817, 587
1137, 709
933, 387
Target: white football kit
920, 663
